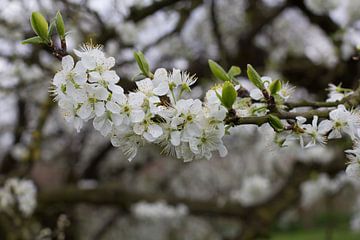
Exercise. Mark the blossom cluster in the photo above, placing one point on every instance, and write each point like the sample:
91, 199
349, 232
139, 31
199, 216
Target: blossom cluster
155, 113
18, 195
159, 111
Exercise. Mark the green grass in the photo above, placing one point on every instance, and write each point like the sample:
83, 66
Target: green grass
316, 234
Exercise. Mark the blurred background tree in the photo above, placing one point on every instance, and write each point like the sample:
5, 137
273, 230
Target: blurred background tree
87, 189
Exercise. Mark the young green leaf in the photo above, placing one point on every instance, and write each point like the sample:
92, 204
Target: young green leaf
276, 123
234, 71
218, 71
254, 77
51, 28
275, 87
60, 27
138, 77
142, 63
33, 40
229, 95
39, 25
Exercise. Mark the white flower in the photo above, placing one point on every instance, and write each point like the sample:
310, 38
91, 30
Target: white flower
286, 91
188, 115
298, 131
167, 83
125, 110
77, 76
337, 93
254, 190
317, 133
148, 129
94, 104
209, 140
94, 59
128, 142
342, 121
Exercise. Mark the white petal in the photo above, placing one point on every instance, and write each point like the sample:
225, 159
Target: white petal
325, 126
94, 77
78, 124
149, 137
99, 108
256, 94
155, 130
85, 111
99, 122
117, 119
59, 79
222, 150
139, 129
89, 62
145, 85
111, 77
161, 89
109, 62
175, 138
137, 116
67, 63
113, 107
116, 89
136, 99
101, 93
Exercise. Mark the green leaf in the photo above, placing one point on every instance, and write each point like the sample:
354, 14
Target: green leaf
229, 95
143, 64
60, 27
218, 71
234, 71
51, 28
138, 77
254, 77
39, 25
276, 123
33, 40
219, 96
275, 87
